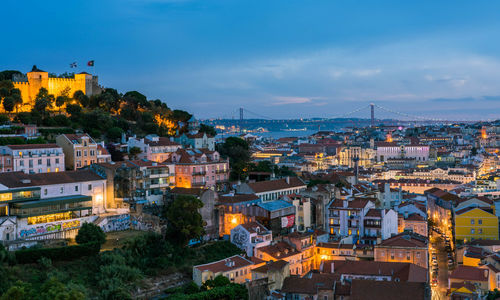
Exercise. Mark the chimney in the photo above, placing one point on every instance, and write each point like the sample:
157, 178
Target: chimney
332, 268
287, 179
344, 202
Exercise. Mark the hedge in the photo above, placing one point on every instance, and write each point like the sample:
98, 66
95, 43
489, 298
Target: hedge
27, 256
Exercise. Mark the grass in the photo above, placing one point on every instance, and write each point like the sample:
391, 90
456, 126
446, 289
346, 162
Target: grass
117, 239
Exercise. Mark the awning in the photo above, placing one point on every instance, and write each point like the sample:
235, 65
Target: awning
52, 201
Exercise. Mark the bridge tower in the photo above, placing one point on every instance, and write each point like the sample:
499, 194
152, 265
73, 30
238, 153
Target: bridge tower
372, 108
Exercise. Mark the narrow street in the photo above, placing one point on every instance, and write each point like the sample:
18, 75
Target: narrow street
437, 246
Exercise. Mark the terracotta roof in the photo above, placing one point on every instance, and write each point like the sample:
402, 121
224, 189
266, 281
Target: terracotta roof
336, 246
415, 217
103, 150
484, 243
405, 240
467, 209
237, 198
310, 286
271, 266
279, 250
387, 290
469, 273
373, 212
252, 227
224, 266
279, 184
20, 179
33, 146
162, 141
403, 271
187, 191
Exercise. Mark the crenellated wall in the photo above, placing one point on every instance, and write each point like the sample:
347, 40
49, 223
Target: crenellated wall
84, 82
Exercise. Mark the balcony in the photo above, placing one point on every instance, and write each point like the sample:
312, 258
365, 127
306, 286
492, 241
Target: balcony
221, 171
199, 173
197, 184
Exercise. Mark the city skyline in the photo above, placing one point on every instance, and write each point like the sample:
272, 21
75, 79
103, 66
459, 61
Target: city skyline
279, 59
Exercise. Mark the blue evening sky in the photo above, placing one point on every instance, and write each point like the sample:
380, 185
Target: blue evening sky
278, 58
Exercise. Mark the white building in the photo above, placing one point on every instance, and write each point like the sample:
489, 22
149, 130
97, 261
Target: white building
35, 158
250, 236
52, 205
391, 150
154, 148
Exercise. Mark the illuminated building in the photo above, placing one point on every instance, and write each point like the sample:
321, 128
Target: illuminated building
153, 147
199, 168
35, 158
80, 150
37, 79
404, 247
235, 268
51, 205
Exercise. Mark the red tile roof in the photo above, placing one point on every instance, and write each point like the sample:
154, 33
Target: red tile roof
469, 273
278, 184
405, 240
387, 290
402, 271
224, 266
20, 179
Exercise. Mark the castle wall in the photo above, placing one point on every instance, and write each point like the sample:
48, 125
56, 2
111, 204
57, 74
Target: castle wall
86, 83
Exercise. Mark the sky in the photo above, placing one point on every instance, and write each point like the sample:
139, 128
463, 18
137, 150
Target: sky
274, 58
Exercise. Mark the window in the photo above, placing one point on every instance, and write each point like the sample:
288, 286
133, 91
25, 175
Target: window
62, 189
39, 161
76, 188
480, 230
90, 187
21, 163
57, 160
480, 222
472, 231
472, 221
78, 153
45, 192
392, 254
408, 255
84, 152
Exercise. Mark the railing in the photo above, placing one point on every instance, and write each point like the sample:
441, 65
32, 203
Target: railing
199, 173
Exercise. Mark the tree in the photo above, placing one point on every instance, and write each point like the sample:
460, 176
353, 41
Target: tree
74, 110
60, 101
81, 98
136, 99
43, 101
90, 233
184, 220
237, 150
133, 152
114, 133
209, 130
8, 104
218, 281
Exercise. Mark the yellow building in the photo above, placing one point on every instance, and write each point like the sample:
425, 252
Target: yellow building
476, 223
37, 79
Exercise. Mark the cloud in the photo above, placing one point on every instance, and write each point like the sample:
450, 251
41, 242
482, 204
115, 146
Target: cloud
291, 100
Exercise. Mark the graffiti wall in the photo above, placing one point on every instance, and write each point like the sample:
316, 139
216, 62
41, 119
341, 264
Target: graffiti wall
115, 223
26, 232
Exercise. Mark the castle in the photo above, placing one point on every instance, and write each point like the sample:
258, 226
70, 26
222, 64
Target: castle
37, 79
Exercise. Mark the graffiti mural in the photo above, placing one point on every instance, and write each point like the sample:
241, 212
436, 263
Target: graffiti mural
49, 228
116, 223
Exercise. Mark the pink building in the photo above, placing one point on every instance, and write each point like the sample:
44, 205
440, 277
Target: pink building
199, 168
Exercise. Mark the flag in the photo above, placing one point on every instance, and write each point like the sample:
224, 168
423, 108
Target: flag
90, 63
73, 65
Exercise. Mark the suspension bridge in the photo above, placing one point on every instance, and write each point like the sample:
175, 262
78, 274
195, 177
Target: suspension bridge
372, 113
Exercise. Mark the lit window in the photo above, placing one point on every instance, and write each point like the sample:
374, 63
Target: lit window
472, 221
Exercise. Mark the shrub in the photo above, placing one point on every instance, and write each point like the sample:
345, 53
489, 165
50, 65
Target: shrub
90, 233
27, 256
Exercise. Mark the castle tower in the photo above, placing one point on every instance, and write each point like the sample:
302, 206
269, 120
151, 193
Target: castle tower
37, 79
